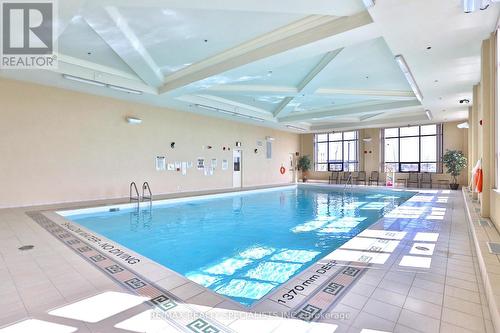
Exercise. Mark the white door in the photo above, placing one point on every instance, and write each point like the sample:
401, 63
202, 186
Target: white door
236, 168
291, 167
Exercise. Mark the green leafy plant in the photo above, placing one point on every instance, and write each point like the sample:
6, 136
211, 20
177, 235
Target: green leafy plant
455, 161
304, 163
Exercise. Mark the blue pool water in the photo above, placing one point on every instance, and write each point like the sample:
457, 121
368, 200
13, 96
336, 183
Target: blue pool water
245, 245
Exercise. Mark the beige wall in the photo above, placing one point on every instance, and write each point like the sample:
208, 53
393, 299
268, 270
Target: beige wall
453, 138
61, 146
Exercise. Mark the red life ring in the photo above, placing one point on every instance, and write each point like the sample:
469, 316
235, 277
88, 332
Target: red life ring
282, 170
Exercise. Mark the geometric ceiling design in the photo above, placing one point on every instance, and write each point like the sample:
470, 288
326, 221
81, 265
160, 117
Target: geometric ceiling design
295, 65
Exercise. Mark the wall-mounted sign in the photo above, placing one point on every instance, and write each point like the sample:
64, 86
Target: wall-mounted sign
160, 163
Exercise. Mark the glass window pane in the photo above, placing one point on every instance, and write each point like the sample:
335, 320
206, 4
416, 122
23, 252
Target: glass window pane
336, 136
428, 167
321, 152
391, 167
406, 167
321, 167
352, 166
391, 132
335, 151
409, 131
428, 129
350, 135
336, 167
409, 149
321, 137
391, 150
428, 149
350, 151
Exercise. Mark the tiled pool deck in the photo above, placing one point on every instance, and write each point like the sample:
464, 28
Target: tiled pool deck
413, 271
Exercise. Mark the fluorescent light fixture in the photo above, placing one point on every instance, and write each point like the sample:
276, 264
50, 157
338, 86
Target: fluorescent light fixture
463, 125
232, 113
428, 114
367, 139
127, 90
409, 77
296, 128
133, 120
369, 3
101, 84
81, 79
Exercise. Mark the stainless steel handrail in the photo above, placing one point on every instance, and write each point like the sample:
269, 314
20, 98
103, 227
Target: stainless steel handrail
145, 186
349, 179
136, 198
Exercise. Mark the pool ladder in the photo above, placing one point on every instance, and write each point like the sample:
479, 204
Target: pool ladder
349, 180
137, 197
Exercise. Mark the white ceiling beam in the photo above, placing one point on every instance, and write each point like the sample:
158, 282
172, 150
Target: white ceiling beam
66, 11
95, 72
284, 103
372, 94
351, 111
305, 31
393, 122
329, 56
319, 7
112, 27
243, 88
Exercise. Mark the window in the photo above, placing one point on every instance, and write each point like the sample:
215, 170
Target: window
413, 148
336, 151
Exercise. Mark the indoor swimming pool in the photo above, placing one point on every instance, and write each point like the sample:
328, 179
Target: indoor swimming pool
243, 245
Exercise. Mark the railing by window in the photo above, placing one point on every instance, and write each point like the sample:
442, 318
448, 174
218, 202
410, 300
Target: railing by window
413, 148
338, 151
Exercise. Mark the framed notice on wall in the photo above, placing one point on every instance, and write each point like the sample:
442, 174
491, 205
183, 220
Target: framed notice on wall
160, 163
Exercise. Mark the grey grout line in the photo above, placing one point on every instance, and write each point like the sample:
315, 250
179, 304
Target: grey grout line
451, 224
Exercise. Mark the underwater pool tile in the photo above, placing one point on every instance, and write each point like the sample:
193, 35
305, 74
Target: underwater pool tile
245, 289
301, 256
228, 266
273, 271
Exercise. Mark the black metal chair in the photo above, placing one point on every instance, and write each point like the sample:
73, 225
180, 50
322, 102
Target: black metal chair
413, 178
345, 177
334, 177
374, 177
361, 177
426, 178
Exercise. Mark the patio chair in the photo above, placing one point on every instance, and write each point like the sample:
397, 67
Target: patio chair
374, 177
401, 179
361, 177
345, 177
426, 178
334, 177
413, 178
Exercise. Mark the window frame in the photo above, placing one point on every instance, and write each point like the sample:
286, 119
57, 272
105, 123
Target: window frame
399, 163
344, 164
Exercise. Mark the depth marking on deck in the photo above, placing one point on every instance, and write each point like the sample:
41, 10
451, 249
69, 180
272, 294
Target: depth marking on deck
159, 298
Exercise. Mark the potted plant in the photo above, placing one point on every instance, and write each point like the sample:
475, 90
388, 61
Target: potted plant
455, 161
304, 164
